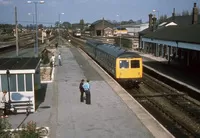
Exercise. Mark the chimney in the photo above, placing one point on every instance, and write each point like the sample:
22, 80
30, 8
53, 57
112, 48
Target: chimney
195, 14
173, 14
154, 23
150, 20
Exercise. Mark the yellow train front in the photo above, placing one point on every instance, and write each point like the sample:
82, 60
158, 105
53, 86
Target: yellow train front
126, 67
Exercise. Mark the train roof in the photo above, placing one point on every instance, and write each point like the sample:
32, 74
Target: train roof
129, 55
93, 42
111, 49
116, 51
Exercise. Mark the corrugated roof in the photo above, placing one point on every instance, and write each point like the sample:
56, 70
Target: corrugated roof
18, 63
182, 20
189, 34
99, 21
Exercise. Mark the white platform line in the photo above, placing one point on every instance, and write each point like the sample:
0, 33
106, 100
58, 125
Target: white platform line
142, 119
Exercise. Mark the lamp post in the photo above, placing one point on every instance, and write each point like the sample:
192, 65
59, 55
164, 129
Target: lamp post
33, 25
33, 17
120, 30
8, 81
157, 12
59, 26
36, 27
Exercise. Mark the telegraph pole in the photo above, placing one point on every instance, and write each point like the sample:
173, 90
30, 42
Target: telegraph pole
16, 33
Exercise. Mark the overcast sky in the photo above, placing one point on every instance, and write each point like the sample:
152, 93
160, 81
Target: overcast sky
90, 10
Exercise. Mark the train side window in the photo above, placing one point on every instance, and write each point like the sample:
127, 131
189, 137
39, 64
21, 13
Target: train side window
124, 64
135, 64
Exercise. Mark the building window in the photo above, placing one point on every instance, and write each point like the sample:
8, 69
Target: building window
124, 64
135, 64
29, 82
4, 82
13, 82
20, 82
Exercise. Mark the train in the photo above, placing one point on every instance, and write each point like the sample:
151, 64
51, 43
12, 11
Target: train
126, 67
77, 33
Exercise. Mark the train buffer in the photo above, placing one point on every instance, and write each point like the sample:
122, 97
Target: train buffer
158, 95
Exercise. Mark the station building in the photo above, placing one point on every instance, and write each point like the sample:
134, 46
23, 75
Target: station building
102, 28
177, 39
20, 77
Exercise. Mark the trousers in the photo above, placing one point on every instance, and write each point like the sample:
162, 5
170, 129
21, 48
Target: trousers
88, 97
81, 97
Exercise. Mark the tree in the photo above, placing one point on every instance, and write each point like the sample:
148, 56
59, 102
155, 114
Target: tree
20, 26
66, 25
81, 21
185, 13
40, 26
82, 24
162, 18
57, 24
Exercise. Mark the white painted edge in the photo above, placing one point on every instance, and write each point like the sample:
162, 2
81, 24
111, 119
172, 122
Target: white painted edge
52, 74
81, 51
23, 71
179, 82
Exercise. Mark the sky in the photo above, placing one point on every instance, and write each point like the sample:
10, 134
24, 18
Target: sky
90, 10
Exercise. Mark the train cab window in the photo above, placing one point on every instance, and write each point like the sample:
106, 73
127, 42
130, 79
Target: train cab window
135, 64
124, 64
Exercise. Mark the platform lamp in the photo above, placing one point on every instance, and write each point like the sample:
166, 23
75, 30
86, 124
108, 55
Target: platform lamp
36, 27
8, 81
59, 26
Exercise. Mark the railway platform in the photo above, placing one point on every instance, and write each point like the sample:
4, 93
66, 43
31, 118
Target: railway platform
113, 113
173, 71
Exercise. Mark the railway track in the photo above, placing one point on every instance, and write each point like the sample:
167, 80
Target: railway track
178, 112
165, 99
24, 43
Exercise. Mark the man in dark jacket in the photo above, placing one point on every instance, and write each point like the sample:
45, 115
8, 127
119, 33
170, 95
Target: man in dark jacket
81, 90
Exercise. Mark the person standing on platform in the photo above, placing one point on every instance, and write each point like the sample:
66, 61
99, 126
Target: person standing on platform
53, 60
81, 90
86, 87
59, 60
4, 105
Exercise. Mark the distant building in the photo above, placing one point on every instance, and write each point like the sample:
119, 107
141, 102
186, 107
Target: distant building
97, 28
108, 31
133, 29
176, 38
120, 31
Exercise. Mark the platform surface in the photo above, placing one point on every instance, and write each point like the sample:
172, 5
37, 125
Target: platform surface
109, 116
176, 72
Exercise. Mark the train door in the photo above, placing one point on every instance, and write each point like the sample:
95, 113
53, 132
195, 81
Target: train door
136, 67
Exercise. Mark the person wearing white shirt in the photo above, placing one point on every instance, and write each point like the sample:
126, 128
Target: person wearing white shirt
53, 60
86, 87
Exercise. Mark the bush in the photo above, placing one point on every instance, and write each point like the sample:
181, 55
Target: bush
4, 124
27, 131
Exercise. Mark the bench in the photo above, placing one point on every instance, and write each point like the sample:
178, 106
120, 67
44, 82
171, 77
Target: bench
21, 107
